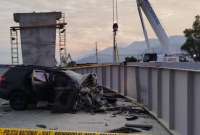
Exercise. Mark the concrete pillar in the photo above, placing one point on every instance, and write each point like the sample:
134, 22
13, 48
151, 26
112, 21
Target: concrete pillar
38, 37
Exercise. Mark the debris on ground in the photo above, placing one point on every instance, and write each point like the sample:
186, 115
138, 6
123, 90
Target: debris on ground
140, 126
113, 115
125, 130
106, 124
5, 104
131, 117
7, 110
53, 128
41, 126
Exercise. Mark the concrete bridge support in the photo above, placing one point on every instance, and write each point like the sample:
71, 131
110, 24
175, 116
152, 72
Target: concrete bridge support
38, 37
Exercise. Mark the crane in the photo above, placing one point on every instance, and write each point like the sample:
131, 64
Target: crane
115, 30
145, 6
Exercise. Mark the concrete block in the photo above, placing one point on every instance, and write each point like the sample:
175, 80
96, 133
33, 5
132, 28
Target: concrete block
38, 37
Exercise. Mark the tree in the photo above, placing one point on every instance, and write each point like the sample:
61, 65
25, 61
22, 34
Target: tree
192, 43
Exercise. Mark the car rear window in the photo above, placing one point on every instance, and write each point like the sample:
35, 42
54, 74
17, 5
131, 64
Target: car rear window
3, 70
16, 74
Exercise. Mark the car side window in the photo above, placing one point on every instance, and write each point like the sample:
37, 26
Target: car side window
40, 76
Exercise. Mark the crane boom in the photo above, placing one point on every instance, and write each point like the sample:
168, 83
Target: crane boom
155, 23
144, 27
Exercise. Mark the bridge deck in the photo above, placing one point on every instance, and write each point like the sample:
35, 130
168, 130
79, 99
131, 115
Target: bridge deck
81, 121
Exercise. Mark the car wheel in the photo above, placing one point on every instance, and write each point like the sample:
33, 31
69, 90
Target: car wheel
18, 100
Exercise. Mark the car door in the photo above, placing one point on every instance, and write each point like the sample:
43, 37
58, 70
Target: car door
40, 84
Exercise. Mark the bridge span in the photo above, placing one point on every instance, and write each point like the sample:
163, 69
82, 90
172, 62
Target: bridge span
170, 91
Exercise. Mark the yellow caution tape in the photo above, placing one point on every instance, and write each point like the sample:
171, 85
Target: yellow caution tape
14, 131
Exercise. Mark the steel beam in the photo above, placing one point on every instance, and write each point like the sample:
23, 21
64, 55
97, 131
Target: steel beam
190, 103
150, 88
171, 100
159, 98
125, 80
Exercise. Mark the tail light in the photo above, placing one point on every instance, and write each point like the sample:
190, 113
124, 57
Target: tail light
2, 81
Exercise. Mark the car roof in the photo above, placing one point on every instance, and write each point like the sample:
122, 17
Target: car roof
29, 68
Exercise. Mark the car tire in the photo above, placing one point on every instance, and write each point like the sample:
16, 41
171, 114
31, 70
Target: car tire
18, 100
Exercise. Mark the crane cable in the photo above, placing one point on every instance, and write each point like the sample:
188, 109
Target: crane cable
115, 11
115, 27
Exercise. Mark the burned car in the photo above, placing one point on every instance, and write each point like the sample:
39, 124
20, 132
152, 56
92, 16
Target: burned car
64, 90
24, 85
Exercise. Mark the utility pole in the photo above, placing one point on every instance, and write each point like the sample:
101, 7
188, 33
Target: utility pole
97, 59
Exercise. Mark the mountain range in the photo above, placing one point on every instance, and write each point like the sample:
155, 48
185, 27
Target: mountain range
134, 49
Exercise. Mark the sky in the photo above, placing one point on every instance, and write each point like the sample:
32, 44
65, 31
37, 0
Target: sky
91, 20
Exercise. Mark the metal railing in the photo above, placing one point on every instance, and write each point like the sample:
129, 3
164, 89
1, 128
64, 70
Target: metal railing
171, 94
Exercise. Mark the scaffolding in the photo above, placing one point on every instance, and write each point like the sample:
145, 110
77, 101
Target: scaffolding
14, 46
62, 41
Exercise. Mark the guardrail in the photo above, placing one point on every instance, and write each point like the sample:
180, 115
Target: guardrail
171, 94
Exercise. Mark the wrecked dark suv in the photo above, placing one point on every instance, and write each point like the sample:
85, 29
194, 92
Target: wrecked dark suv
24, 85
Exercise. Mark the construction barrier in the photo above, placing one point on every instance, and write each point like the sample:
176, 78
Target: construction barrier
14, 131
